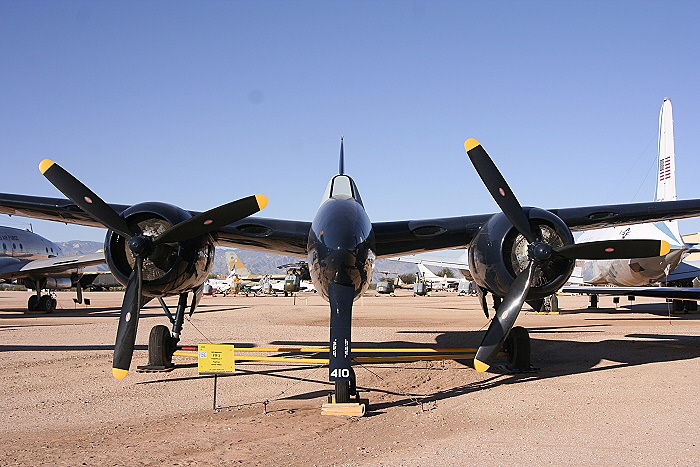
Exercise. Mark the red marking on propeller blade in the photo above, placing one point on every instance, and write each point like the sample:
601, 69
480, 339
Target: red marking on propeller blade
128, 317
609, 250
502, 191
208, 221
88, 199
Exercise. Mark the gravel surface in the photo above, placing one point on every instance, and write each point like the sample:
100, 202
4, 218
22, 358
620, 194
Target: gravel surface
615, 386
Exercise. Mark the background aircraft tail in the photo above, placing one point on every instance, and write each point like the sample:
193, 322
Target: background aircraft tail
666, 173
235, 264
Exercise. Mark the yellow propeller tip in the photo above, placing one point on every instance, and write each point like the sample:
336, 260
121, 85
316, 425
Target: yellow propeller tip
119, 373
470, 144
262, 201
480, 366
665, 248
45, 165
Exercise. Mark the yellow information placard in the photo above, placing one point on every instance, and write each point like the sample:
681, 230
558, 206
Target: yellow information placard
215, 358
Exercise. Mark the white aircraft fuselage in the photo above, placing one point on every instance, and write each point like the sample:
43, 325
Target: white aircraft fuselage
639, 272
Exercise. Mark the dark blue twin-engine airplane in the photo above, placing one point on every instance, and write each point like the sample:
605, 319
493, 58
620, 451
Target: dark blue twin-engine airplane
518, 254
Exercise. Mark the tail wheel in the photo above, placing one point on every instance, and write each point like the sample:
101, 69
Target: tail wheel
160, 352
342, 392
517, 346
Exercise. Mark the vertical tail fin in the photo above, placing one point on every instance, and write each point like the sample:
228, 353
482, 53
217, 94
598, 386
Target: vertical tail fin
236, 265
666, 175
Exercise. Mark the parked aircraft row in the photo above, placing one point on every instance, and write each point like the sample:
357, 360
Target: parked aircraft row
519, 254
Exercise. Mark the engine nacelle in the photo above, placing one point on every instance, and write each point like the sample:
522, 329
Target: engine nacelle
498, 253
171, 268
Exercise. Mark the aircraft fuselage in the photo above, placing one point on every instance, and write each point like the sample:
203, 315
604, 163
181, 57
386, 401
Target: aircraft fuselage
26, 245
341, 246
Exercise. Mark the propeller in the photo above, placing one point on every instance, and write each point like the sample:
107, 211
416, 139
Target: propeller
538, 252
142, 245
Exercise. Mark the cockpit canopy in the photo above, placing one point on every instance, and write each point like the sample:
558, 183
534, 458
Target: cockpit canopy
342, 187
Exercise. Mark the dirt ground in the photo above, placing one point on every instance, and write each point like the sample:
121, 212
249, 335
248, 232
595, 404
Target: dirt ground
614, 386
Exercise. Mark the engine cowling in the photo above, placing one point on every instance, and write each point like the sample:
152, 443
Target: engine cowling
171, 268
498, 253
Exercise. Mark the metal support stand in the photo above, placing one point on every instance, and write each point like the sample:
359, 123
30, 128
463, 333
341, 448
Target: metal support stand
215, 381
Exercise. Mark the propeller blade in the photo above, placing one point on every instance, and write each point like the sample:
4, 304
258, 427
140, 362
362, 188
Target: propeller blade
499, 189
615, 249
128, 322
85, 198
213, 219
505, 317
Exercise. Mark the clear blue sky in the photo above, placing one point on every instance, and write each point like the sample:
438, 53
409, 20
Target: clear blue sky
199, 103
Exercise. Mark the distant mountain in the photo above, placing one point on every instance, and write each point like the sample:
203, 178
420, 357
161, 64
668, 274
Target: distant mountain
257, 262
266, 263
83, 247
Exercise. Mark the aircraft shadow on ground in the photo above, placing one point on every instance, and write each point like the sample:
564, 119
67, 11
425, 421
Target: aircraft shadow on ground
554, 358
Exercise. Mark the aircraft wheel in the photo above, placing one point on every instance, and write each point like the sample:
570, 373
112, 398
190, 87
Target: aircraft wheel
690, 305
46, 304
160, 352
33, 303
517, 346
342, 392
678, 305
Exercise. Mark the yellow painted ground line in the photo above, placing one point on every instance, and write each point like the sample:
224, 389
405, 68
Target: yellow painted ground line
360, 350
324, 361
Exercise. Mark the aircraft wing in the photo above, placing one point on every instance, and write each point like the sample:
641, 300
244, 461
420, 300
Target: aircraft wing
13, 268
676, 293
392, 238
598, 217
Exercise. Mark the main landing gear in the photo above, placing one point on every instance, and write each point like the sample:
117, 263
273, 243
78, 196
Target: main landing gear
162, 342
517, 349
45, 303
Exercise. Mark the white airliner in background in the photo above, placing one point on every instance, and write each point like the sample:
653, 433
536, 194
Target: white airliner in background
638, 272
40, 265
632, 276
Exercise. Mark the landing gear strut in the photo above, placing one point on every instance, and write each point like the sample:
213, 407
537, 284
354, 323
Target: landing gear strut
162, 342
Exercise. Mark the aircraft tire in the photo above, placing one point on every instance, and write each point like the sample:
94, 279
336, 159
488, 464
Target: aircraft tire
46, 304
160, 347
678, 305
33, 303
342, 392
690, 305
517, 346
